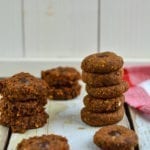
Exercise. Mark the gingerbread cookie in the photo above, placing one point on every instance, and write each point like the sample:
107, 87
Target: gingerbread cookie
44, 142
17, 109
64, 93
115, 137
24, 87
103, 105
96, 80
108, 91
21, 124
103, 62
61, 76
101, 119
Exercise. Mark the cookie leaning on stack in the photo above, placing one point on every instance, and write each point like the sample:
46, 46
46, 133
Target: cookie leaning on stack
22, 103
103, 73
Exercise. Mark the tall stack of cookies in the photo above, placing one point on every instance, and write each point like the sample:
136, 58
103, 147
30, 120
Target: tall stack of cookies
22, 102
63, 82
103, 75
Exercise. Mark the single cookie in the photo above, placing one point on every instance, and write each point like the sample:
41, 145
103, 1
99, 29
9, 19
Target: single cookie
21, 124
101, 119
24, 87
103, 105
44, 142
61, 76
64, 93
103, 62
16, 109
108, 91
96, 80
115, 137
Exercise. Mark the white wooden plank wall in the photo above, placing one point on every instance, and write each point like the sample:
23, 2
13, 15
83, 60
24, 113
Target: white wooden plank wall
10, 28
74, 28
56, 28
125, 27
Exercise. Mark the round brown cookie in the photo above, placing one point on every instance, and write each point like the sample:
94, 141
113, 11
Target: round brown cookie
103, 105
103, 62
44, 142
101, 119
61, 76
16, 109
95, 79
115, 137
21, 124
108, 91
24, 87
64, 93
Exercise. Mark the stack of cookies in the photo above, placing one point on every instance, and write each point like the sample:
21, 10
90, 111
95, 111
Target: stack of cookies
103, 73
63, 82
22, 102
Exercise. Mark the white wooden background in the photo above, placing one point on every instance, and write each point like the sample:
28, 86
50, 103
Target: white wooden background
74, 28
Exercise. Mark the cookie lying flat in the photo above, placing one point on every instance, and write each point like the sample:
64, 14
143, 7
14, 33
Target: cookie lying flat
108, 91
103, 62
17, 109
45, 142
103, 105
60, 76
95, 79
115, 137
24, 87
101, 119
21, 124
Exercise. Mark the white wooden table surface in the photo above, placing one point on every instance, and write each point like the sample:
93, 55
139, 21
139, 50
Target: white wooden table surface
65, 115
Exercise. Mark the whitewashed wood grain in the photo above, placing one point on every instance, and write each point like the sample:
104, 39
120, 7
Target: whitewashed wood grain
3, 136
56, 28
11, 29
125, 27
141, 124
65, 120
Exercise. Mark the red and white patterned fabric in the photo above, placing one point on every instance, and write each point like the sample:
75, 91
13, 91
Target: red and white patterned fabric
138, 95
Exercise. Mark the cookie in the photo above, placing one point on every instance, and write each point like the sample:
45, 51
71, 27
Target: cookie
61, 76
104, 62
24, 87
21, 124
44, 142
108, 91
101, 119
21, 108
115, 137
64, 93
103, 105
96, 80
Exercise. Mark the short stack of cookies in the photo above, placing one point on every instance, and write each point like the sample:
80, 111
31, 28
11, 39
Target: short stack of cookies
63, 82
22, 102
103, 75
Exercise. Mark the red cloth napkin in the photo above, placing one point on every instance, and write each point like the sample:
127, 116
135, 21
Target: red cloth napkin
138, 95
